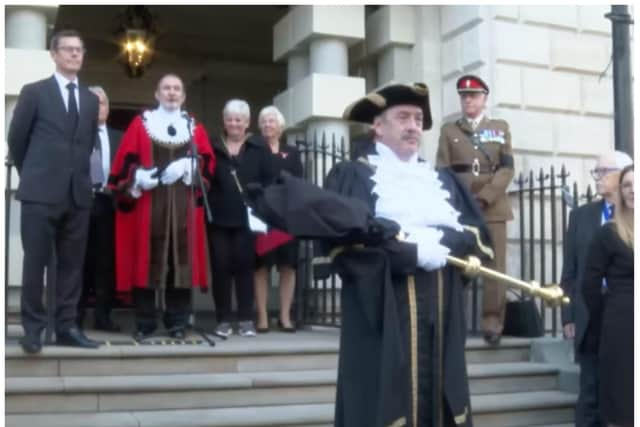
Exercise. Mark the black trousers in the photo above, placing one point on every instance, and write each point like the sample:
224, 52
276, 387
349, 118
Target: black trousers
177, 303
99, 267
587, 411
176, 313
43, 226
232, 255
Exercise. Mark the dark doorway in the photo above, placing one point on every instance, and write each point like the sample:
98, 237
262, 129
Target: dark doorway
120, 118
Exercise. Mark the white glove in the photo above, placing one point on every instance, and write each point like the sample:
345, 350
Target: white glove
180, 168
144, 181
431, 254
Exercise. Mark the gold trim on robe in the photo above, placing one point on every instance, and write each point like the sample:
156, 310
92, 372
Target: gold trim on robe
440, 345
400, 422
476, 232
462, 418
413, 340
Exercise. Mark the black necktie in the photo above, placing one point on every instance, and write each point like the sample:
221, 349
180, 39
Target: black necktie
73, 106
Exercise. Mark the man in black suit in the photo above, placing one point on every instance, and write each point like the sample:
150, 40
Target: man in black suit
50, 138
584, 221
99, 267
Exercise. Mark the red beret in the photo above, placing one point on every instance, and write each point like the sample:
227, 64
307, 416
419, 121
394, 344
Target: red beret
471, 83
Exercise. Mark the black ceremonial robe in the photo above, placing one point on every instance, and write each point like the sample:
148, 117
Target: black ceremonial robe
403, 329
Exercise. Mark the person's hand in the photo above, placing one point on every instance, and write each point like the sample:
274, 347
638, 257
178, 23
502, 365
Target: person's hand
569, 331
482, 203
146, 179
175, 170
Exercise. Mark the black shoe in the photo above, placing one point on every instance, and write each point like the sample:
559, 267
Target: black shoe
262, 330
73, 337
177, 333
107, 326
141, 334
492, 338
31, 344
288, 329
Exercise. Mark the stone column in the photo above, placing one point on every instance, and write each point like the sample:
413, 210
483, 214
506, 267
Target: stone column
297, 70
25, 27
297, 67
394, 64
316, 39
390, 39
328, 56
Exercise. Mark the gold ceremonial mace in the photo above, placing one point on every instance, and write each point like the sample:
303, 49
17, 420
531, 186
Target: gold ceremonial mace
552, 294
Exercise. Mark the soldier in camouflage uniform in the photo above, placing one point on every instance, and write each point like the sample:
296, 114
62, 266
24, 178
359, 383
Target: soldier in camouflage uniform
478, 149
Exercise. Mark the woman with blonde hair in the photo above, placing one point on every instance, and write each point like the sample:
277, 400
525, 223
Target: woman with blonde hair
608, 293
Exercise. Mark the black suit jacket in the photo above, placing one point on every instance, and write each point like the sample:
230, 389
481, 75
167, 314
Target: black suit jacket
48, 161
584, 222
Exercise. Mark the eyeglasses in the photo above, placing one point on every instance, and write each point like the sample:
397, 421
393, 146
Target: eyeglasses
599, 173
71, 49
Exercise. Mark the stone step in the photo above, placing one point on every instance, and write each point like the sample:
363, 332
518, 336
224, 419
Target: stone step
266, 416
511, 410
307, 350
554, 425
536, 408
190, 391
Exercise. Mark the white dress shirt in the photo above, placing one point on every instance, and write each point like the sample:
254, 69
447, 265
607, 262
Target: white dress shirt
105, 150
475, 122
62, 84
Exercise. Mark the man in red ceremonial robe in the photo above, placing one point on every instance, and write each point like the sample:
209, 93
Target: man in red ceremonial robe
160, 236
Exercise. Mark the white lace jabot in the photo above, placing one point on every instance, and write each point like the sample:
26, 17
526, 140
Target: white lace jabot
160, 124
410, 192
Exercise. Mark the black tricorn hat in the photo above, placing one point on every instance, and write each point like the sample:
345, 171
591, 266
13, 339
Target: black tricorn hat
374, 103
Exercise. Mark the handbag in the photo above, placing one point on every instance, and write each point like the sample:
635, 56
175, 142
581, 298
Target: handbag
522, 319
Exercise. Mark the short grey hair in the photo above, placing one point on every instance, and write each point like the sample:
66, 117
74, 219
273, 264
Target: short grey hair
100, 90
622, 159
272, 110
617, 159
237, 106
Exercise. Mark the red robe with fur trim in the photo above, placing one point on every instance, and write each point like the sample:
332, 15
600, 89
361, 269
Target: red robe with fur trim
133, 216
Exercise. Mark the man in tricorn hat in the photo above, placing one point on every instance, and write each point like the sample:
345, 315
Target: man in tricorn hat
402, 359
478, 149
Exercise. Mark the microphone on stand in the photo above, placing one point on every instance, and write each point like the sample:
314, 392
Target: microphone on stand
194, 156
194, 166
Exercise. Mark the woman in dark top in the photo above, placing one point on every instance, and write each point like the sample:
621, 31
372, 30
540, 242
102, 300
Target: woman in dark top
285, 257
608, 293
231, 242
